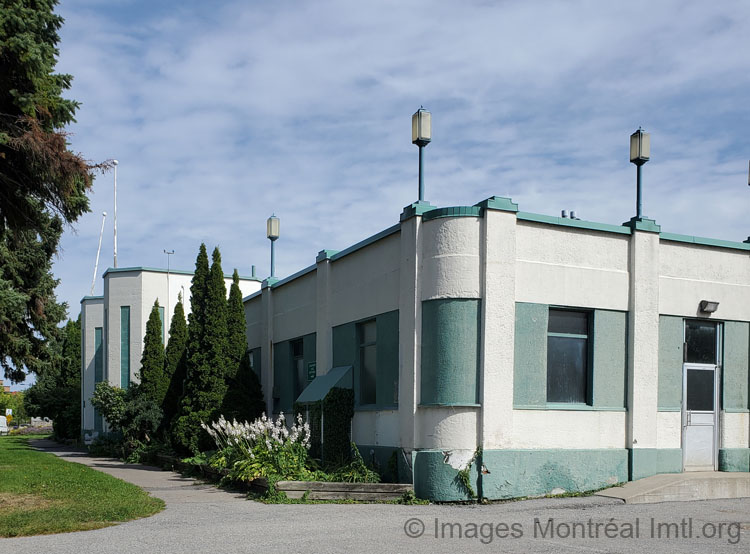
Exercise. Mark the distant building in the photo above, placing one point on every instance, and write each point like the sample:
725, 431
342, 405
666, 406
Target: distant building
113, 326
569, 354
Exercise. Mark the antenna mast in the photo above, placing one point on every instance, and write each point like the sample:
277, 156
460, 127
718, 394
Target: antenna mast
98, 250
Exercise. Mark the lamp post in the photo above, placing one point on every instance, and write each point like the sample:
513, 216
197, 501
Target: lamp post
272, 232
640, 152
168, 253
421, 135
114, 163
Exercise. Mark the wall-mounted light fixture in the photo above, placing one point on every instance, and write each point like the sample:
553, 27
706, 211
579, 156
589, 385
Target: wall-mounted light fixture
708, 306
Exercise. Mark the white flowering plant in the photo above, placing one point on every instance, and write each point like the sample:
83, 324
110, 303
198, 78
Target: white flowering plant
265, 448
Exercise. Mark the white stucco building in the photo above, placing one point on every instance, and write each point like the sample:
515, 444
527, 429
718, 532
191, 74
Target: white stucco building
113, 326
571, 354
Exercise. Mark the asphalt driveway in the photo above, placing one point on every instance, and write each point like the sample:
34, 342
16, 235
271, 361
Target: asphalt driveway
201, 518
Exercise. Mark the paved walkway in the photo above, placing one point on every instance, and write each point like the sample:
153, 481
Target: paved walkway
200, 518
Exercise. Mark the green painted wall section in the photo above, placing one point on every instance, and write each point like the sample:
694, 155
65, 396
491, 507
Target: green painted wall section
671, 338
284, 377
382, 459
387, 359
283, 386
124, 347
450, 351
645, 462
435, 480
98, 356
344, 339
735, 371
346, 352
530, 365
610, 367
734, 459
518, 473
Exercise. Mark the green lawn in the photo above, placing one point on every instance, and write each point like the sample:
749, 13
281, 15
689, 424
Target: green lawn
40, 494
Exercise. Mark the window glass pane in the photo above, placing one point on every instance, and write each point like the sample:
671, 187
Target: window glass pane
563, 321
300, 376
700, 390
700, 337
297, 348
367, 332
367, 375
567, 361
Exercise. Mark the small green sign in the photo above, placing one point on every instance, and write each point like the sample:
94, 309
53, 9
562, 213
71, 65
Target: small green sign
311, 371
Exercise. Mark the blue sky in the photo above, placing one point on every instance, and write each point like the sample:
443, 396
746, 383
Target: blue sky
221, 113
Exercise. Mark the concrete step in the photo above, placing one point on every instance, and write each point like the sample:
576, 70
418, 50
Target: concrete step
682, 487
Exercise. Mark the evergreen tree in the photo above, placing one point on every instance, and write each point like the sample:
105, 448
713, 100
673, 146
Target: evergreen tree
153, 381
237, 326
42, 184
174, 362
244, 397
207, 357
57, 391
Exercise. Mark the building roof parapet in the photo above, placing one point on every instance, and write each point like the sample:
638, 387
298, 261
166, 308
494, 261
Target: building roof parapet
369, 240
417, 208
643, 224
706, 241
498, 203
175, 271
85, 298
575, 223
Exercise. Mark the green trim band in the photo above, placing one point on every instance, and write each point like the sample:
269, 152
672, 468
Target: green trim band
449, 405
500, 203
417, 208
368, 241
673, 237
736, 410
292, 277
575, 223
734, 459
453, 211
643, 224
91, 298
668, 409
325, 255
570, 408
375, 408
175, 271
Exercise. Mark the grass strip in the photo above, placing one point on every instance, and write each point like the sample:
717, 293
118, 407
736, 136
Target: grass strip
41, 494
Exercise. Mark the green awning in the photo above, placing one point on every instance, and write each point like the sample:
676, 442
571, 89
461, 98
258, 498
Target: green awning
318, 388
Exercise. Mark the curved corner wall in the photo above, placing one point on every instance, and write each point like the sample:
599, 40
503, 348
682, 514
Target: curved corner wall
450, 352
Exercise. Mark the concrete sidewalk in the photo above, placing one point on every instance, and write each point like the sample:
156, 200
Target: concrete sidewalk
171, 487
682, 487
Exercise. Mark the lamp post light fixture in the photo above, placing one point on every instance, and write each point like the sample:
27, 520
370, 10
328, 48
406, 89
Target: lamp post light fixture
272, 232
640, 152
168, 253
421, 135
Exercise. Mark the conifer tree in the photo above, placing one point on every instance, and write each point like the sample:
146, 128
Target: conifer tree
207, 357
186, 425
174, 362
153, 381
237, 327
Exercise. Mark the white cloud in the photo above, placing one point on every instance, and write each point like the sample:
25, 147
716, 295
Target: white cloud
221, 115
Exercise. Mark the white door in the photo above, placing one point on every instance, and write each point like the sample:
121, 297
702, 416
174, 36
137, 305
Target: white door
699, 417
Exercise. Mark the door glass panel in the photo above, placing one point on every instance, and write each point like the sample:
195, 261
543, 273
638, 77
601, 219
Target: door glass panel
367, 374
700, 337
700, 390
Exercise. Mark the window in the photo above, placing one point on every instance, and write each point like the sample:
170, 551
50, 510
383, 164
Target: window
367, 337
567, 356
700, 342
298, 366
124, 347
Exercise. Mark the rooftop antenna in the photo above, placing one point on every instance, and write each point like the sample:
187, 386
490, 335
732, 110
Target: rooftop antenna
114, 163
98, 250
